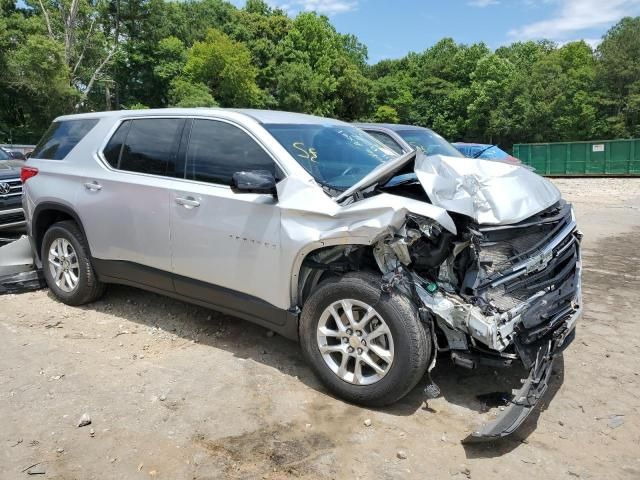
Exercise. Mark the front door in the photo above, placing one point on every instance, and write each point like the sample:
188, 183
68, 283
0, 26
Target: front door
225, 244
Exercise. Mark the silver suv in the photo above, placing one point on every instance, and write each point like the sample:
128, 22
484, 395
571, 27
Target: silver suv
312, 228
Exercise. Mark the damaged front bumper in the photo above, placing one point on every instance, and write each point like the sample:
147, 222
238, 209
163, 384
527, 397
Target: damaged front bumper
518, 298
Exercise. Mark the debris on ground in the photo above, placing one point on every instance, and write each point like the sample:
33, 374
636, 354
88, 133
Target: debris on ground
402, 455
85, 420
367, 422
616, 421
35, 469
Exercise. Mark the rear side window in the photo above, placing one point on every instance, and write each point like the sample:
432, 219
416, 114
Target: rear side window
61, 137
217, 150
146, 146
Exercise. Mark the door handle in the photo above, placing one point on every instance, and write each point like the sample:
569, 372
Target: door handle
93, 186
188, 202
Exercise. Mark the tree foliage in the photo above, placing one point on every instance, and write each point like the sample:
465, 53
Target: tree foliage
64, 56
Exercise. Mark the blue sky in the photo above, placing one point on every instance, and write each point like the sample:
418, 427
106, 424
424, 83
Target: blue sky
391, 28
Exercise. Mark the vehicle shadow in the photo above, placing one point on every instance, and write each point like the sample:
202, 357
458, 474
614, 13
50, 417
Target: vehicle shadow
245, 340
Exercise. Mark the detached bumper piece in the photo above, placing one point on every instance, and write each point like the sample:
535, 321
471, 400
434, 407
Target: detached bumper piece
17, 270
22, 282
542, 356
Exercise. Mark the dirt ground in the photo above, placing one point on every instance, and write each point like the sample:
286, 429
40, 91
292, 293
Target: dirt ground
179, 392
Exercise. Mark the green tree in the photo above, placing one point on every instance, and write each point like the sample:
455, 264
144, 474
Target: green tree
225, 67
186, 94
320, 71
618, 77
386, 114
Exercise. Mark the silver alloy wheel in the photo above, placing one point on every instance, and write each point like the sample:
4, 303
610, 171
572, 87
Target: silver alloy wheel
63, 265
355, 342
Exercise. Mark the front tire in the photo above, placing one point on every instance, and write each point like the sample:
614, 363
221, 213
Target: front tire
67, 266
367, 346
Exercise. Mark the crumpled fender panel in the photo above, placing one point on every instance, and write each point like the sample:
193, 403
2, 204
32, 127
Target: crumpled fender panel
310, 219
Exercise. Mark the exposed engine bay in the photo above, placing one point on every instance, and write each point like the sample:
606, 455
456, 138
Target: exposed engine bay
490, 294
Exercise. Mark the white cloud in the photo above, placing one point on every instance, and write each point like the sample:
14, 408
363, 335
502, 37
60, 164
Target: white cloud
573, 16
482, 3
328, 7
592, 42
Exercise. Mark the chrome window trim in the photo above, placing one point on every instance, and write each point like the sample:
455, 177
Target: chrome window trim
105, 164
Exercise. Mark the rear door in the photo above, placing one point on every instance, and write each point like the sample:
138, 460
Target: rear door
125, 208
222, 238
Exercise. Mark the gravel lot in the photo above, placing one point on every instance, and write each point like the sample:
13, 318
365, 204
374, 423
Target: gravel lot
178, 392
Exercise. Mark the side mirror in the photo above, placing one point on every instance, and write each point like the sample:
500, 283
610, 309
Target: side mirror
254, 181
17, 155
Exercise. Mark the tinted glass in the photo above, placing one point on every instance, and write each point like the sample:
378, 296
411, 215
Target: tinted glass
151, 146
335, 155
217, 150
386, 139
430, 142
492, 153
61, 137
114, 147
3, 155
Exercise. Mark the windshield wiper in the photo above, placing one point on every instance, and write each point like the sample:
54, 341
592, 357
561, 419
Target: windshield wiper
477, 155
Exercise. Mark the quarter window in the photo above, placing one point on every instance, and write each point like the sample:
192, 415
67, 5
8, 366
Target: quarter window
61, 137
217, 150
114, 147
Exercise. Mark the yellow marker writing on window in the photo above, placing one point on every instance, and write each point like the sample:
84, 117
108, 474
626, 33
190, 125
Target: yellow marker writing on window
309, 154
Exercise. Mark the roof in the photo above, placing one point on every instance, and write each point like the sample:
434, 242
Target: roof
464, 144
275, 116
391, 126
261, 116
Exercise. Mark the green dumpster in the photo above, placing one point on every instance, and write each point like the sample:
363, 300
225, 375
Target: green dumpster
607, 157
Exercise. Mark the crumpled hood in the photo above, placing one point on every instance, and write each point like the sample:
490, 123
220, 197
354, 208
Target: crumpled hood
489, 192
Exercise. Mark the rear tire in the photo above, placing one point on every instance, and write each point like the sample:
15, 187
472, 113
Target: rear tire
67, 265
391, 364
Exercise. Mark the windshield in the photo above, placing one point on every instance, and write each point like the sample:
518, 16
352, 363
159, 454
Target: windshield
4, 156
337, 156
430, 142
493, 153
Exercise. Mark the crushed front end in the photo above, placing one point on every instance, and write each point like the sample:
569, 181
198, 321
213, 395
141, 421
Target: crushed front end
495, 294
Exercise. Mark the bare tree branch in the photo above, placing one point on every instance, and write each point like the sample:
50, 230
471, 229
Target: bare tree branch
69, 24
46, 19
97, 71
84, 48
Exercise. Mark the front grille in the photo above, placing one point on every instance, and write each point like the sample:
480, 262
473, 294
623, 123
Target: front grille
518, 261
11, 218
15, 188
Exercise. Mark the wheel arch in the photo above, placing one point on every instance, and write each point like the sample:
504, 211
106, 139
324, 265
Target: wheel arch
303, 278
45, 215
